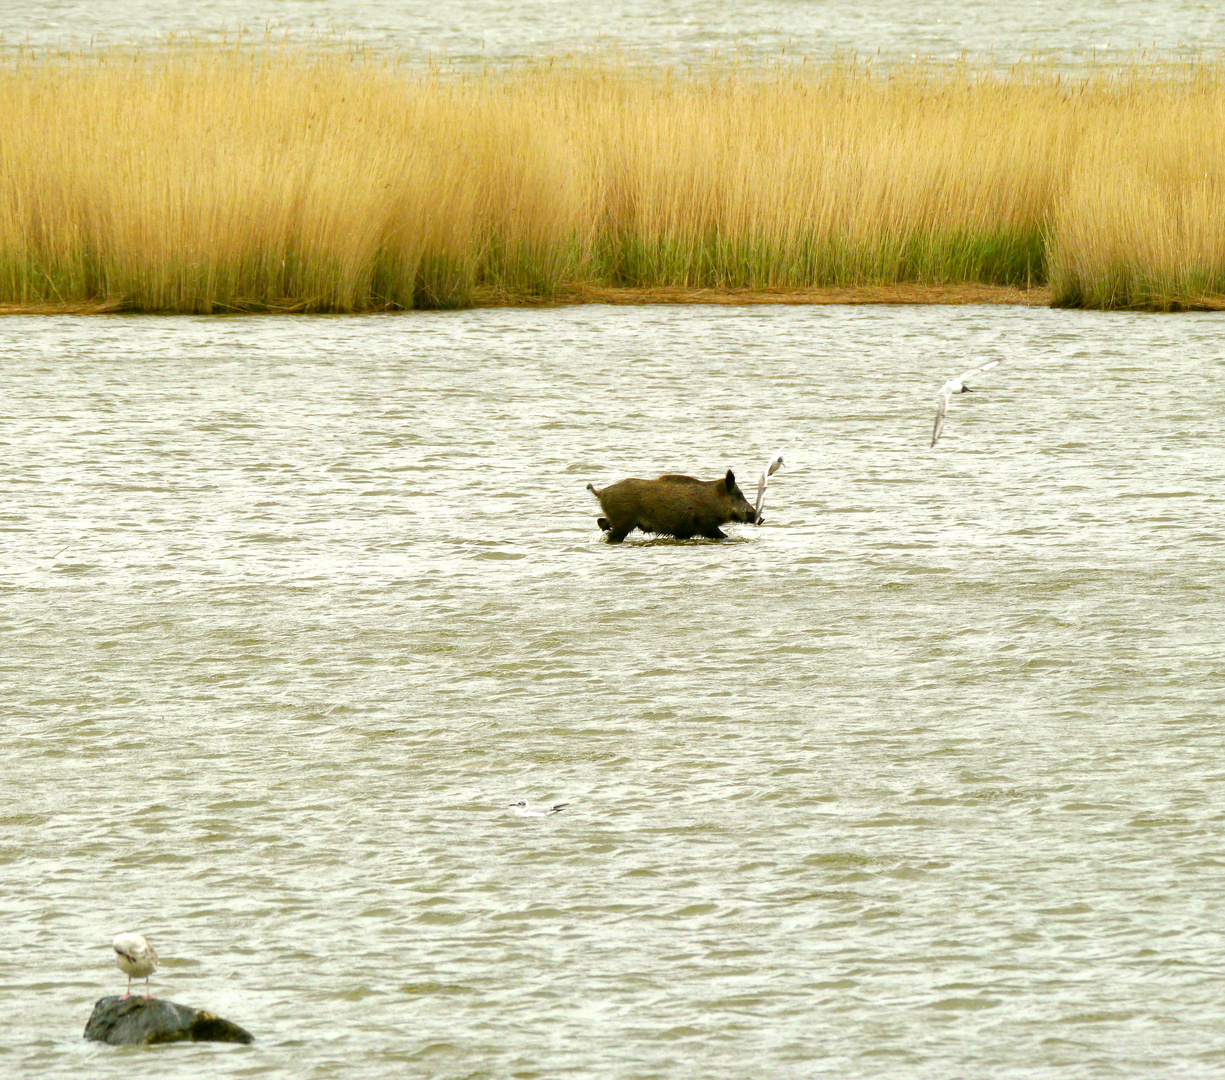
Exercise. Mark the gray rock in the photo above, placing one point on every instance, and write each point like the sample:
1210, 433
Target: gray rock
138, 1021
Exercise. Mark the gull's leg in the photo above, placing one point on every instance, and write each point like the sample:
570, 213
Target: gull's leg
129, 993
146, 987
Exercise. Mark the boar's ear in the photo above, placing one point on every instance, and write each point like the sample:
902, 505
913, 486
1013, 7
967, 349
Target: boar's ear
730, 480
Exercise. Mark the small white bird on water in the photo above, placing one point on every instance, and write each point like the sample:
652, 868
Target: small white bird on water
955, 386
774, 464
135, 957
522, 808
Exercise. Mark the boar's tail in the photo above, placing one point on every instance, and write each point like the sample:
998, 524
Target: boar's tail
591, 488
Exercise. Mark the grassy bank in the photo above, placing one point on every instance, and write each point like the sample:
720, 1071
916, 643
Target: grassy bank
209, 179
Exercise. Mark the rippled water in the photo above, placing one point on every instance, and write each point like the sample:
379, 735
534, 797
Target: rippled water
1072, 31
922, 777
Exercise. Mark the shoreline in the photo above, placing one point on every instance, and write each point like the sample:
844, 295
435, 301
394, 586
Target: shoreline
902, 293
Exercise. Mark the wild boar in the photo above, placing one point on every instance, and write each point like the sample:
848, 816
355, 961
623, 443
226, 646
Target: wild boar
673, 505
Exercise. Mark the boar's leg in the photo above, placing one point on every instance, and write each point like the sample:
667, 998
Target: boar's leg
604, 524
615, 536
714, 534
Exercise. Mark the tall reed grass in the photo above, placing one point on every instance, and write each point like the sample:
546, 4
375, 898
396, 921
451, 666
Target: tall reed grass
211, 179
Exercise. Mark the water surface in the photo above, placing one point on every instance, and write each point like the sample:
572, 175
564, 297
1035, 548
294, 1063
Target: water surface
922, 777
1068, 31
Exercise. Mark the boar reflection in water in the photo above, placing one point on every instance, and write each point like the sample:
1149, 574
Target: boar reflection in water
673, 505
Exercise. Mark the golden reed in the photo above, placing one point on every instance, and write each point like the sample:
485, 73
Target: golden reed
209, 178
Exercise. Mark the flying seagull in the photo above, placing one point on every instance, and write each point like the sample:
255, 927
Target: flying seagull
135, 957
775, 463
955, 386
522, 807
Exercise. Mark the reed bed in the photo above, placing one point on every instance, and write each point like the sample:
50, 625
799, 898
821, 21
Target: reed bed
212, 179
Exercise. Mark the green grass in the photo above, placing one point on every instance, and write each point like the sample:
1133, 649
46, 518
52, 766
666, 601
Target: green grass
283, 280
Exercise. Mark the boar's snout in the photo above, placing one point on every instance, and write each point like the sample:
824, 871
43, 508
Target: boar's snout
742, 509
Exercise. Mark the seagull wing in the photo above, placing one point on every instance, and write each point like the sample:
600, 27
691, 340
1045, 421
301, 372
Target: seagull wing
941, 409
976, 370
772, 466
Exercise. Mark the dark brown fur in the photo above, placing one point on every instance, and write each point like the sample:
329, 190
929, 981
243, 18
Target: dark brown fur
673, 505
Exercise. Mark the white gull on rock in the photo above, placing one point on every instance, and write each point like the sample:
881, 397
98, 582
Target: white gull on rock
135, 957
